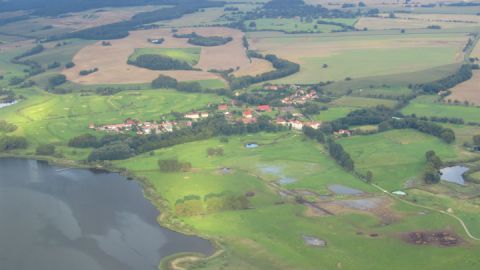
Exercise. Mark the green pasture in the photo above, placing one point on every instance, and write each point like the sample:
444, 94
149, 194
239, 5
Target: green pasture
189, 55
360, 63
333, 113
296, 25
269, 235
429, 106
396, 158
361, 102
45, 117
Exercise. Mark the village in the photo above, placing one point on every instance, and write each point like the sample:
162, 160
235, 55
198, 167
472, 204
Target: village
286, 115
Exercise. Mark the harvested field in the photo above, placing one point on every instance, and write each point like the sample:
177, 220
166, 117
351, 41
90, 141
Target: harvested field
467, 91
476, 51
92, 18
112, 60
443, 238
359, 56
413, 21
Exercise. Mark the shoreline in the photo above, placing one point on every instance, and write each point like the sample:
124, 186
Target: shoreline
165, 218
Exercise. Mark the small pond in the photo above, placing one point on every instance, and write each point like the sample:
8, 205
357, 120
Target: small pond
343, 190
3, 105
251, 145
454, 174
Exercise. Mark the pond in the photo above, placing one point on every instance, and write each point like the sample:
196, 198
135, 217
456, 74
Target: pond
454, 174
343, 190
251, 145
53, 218
2, 105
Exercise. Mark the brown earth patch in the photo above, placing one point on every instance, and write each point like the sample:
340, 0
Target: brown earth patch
112, 60
439, 238
467, 91
377, 206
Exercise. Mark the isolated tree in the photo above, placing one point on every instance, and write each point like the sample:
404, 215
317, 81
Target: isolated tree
476, 139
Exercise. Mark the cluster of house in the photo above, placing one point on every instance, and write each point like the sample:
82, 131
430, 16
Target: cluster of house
297, 124
301, 96
139, 127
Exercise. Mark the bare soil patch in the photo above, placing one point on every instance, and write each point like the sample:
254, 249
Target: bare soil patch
439, 238
467, 91
112, 60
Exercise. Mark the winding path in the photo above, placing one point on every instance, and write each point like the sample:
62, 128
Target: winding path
467, 231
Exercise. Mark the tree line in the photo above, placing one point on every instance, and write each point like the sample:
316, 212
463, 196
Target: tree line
159, 62
283, 68
445, 134
463, 74
121, 29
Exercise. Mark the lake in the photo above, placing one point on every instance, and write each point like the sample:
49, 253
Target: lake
454, 174
53, 218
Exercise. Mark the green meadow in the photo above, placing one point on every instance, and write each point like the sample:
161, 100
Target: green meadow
189, 55
295, 25
45, 117
269, 234
428, 106
362, 102
358, 63
396, 158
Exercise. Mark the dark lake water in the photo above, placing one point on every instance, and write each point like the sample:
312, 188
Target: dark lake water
56, 219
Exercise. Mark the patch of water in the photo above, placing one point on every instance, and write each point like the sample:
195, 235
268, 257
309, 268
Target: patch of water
454, 174
286, 181
271, 170
343, 190
251, 145
312, 241
3, 105
361, 204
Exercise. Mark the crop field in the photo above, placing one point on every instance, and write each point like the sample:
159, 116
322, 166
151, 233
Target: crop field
323, 58
361, 102
418, 21
426, 106
189, 55
468, 91
295, 25
249, 233
384, 91
396, 158
112, 60
43, 26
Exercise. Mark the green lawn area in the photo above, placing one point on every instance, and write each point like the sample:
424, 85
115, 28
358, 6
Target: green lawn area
395, 157
426, 106
269, 235
385, 91
370, 62
361, 102
45, 117
295, 25
333, 113
189, 55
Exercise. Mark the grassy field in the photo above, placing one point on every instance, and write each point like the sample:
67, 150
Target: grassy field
269, 235
426, 106
45, 117
333, 113
295, 25
367, 62
189, 55
396, 158
383, 91
361, 102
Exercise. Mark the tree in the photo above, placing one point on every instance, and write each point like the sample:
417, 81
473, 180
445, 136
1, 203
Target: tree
45, 150
369, 177
114, 151
476, 139
83, 141
164, 82
57, 80
8, 143
252, 25
173, 165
